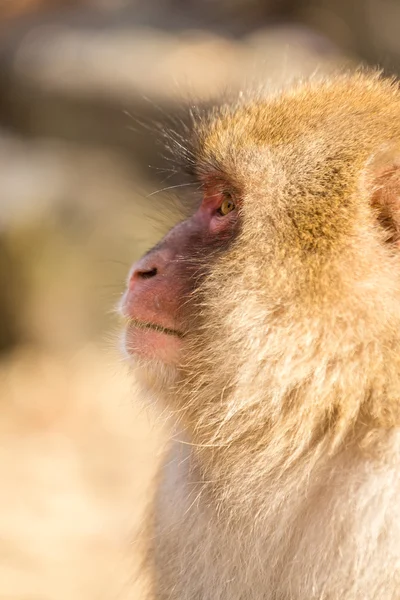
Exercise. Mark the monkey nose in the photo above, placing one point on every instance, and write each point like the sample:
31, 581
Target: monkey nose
139, 274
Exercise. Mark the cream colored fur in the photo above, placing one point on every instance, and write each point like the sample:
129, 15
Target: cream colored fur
285, 484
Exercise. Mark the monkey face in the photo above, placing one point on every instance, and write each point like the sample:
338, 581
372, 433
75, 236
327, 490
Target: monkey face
158, 302
314, 224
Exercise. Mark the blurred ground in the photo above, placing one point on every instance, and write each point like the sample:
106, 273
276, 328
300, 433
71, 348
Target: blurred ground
78, 204
76, 458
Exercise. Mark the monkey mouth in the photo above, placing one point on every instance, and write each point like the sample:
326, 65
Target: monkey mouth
155, 327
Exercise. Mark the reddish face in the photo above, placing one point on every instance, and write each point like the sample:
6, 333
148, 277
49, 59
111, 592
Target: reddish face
156, 302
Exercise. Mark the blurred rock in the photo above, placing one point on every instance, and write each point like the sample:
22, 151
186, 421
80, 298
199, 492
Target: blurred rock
78, 83
10, 287
368, 28
17, 8
123, 65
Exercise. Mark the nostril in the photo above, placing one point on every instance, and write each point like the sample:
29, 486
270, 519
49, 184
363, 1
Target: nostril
139, 275
147, 274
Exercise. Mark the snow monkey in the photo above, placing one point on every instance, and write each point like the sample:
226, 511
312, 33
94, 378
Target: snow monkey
267, 323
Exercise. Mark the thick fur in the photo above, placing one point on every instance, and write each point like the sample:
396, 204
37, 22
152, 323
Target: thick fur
286, 482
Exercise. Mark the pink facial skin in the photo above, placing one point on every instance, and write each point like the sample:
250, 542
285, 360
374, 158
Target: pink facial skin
162, 281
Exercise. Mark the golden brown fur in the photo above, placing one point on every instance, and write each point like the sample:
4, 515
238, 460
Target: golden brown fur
286, 482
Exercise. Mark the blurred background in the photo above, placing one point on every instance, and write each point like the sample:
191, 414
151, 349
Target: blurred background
80, 198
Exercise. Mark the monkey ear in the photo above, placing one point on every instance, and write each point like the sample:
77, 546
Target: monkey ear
381, 181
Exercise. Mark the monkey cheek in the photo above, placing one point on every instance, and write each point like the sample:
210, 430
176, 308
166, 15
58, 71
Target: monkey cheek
148, 344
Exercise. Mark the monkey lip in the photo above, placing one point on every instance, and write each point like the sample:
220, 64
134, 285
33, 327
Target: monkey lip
147, 340
155, 327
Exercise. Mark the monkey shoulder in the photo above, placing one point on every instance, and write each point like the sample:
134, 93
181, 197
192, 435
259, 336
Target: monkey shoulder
357, 502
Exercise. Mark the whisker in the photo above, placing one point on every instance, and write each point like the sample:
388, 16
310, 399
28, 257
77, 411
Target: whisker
170, 187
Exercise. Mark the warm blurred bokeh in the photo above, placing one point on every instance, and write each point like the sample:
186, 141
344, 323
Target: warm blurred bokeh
77, 206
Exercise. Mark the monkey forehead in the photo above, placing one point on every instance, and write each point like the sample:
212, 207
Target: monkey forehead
342, 119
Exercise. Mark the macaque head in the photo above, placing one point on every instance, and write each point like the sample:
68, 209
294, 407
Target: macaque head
293, 245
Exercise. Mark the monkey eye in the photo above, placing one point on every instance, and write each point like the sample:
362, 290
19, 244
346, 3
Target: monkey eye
227, 206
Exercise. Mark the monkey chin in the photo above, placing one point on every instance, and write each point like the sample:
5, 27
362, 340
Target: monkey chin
154, 356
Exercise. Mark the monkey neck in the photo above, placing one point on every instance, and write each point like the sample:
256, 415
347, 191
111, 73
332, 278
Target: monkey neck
304, 398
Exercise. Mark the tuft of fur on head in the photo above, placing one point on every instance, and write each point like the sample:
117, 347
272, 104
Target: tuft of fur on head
305, 340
